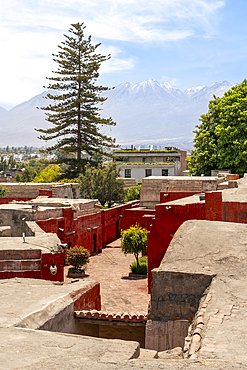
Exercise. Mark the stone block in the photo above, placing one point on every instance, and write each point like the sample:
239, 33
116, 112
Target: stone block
175, 353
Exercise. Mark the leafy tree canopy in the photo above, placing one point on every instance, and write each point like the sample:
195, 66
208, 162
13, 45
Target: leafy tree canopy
3, 191
133, 192
221, 139
134, 241
28, 174
49, 174
74, 115
102, 183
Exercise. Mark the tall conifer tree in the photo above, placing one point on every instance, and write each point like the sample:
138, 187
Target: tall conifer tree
75, 112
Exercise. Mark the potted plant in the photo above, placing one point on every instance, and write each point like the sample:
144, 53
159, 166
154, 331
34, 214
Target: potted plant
134, 241
78, 257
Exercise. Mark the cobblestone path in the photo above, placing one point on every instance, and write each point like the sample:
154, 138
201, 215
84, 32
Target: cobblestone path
119, 292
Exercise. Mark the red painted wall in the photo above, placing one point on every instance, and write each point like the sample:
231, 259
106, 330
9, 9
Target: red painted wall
8, 200
143, 217
87, 298
216, 210
113, 221
174, 195
164, 226
48, 259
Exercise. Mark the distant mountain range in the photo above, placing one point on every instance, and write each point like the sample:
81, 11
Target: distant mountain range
146, 113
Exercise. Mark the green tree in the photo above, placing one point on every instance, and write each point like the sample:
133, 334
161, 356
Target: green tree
221, 139
102, 183
49, 174
3, 191
133, 193
75, 112
134, 241
28, 174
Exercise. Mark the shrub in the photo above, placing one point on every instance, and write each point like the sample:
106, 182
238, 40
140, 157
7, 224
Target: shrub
142, 269
133, 193
3, 191
78, 257
134, 241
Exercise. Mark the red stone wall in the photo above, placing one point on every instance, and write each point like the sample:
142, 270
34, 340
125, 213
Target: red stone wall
8, 200
143, 217
113, 221
48, 259
167, 221
87, 298
174, 195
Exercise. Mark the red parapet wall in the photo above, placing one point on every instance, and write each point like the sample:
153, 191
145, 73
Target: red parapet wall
168, 196
20, 274
164, 226
213, 206
48, 259
7, 200
143, 217
44, 192
87, 298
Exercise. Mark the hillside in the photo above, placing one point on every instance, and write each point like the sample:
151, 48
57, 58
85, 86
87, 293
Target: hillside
147, 112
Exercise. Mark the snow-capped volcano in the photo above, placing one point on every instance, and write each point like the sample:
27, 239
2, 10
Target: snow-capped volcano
148, 111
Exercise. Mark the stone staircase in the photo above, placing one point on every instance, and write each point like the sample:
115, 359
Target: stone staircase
20, 263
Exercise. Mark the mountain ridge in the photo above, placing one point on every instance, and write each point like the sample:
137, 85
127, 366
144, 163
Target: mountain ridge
148, 111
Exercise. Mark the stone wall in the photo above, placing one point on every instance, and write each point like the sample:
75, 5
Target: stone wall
5, 231
153, 185
27, 191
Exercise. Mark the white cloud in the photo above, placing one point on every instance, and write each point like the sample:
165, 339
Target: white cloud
30, 32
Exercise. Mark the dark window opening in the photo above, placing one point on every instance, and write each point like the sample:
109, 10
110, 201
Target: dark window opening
127, 173
94, 243
164, 172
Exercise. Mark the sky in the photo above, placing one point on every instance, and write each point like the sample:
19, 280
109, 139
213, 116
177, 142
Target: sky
187, 43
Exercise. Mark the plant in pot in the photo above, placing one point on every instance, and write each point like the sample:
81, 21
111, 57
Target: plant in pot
78, 257
134, 241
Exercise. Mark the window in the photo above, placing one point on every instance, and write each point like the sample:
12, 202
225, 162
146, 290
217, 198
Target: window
127, 173
164, 172
148, 173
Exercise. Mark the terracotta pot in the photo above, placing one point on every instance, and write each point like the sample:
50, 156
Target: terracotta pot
76, 274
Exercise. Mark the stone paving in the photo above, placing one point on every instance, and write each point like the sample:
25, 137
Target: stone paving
119, 292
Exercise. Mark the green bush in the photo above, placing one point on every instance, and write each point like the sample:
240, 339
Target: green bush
134, 241
78, 257
142, 269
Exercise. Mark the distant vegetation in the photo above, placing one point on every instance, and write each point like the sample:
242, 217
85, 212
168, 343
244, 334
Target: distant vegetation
221, 138
102, 183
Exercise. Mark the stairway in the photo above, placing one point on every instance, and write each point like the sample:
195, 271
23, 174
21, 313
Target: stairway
20, 263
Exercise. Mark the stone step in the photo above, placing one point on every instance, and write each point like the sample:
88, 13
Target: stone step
21, 274
20, 265
20, 254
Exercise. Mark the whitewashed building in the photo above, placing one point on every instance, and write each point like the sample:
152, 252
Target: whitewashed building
142, 163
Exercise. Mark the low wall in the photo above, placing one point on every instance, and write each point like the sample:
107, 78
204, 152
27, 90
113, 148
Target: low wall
169, 196
164, 226
28, 191
153, 185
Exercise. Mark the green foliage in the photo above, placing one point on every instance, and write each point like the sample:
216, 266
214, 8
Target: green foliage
74, 115
49, 174
3, 191
133, 193
142, 269
134, 241
102, 183
78, 257
6, 164
221, 138
28, 174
